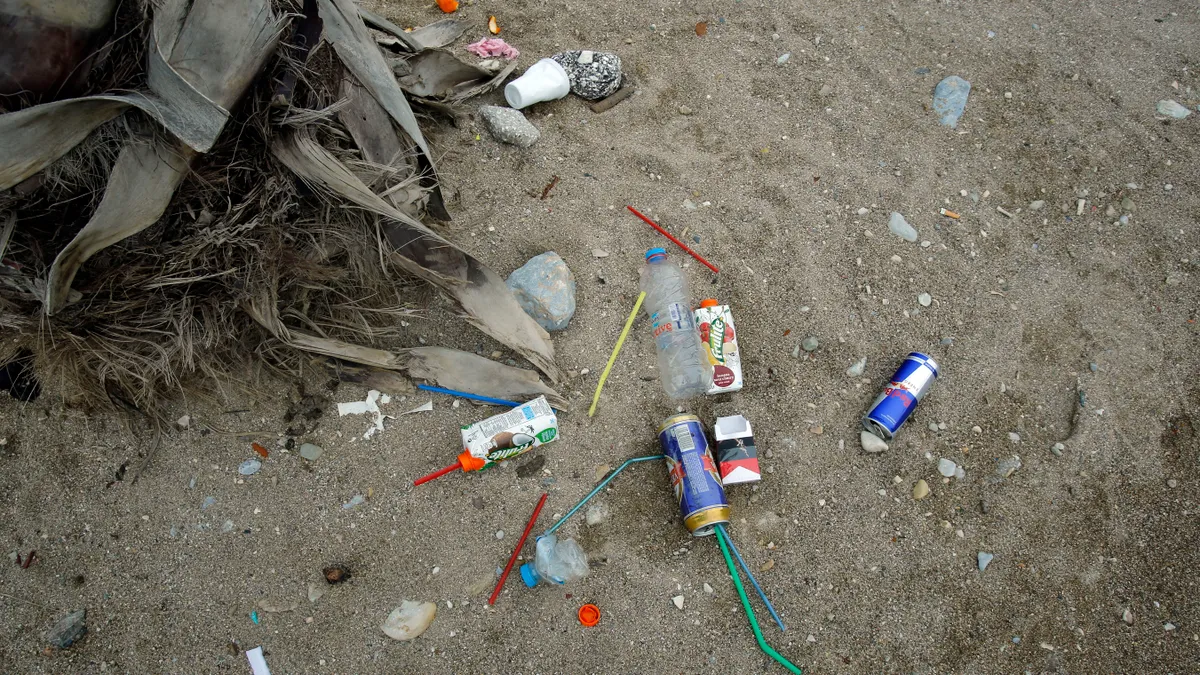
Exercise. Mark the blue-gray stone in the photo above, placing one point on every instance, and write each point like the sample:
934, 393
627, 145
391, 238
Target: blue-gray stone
950, 99
545, 288
69, 629
983, 560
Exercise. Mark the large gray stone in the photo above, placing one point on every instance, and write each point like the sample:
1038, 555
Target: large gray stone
509, 126
545, 288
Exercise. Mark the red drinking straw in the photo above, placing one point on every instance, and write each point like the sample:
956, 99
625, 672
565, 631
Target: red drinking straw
678, 243
516, 551
437, 474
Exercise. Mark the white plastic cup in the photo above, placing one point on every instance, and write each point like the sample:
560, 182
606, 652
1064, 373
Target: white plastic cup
545, 80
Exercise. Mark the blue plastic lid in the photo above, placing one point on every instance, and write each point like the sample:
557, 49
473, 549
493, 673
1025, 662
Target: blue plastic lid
529, 575
655, 251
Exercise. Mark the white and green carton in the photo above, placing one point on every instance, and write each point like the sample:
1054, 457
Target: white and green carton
509, 434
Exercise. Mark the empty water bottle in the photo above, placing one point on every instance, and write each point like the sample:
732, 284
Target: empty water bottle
556, 561
683, 368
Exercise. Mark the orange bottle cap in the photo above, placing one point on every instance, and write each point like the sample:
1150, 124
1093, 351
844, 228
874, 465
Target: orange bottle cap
470, 462
589, 615
708, 302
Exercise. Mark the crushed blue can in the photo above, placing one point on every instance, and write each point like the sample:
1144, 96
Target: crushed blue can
900, 397
693, 474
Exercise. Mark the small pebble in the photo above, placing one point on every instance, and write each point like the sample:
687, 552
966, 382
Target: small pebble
920, 490
1168, 626
1172, 109
249, 467
69, 630
708, 589
946, 467
1036, 205
1006, 467
857, 369
310, 451
499, 534
783, 59
872, 443
1014, 437
684, 110
862, 211
811, 638
983, 560
599, 253
810, 343
976, 429
925, 299
900, 227
678, 600
1127, 617
933, 426
1057, 449
1172, 483
597, 514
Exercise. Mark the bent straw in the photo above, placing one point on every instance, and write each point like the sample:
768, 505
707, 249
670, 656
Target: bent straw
678, 243
463, 394
597, 489
616, 350
437, 474
737, 582
508, 568
746, 569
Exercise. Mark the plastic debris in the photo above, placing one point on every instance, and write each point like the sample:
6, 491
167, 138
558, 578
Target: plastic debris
69, 630
950, 100
249, 467
493, 47
354, 501
448, 6
589, 615
258, 664
493, 25
369, 406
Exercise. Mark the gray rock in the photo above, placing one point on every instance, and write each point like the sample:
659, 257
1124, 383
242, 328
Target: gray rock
509, 126
1172, 109
857, 369
925, 299
69, 630
983, 560
593, 74
810, 343
310, 451
1036, 205
545, 288
947, 467
950, 99
871, 443
900, 227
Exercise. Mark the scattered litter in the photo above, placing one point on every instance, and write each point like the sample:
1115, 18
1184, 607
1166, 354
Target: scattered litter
463, 394
1172, 109
736, 454
424, 407
719, 339
254, 617
950, 100
907, 386
493, 26
369, 406
409, 620
493, 47
949, 214
1006, 467
311, 451
589, 615
597, 514
512, 559
69, 630
983, 560
258, 663
675, 241
262, 452
249, 467
900, 227
315, 591
545, 80
503, 437
556, 562
354, 501
612, 359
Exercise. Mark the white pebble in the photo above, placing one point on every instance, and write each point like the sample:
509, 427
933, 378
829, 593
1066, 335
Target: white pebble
947, 467
925, 299
872, 443
499, 534
678, 600
708, 589
1014, 437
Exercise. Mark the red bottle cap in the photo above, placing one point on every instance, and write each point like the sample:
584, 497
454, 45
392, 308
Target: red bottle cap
589, 615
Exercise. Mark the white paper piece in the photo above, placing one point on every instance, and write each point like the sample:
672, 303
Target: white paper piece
369, 406
258, 664
421, 408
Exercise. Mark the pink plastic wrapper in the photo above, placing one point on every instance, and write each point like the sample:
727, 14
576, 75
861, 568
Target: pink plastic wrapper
490, 47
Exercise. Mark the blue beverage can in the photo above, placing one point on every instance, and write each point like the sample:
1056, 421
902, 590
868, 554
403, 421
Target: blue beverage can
693, 474
899, 398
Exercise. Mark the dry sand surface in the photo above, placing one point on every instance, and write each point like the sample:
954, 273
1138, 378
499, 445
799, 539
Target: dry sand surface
778, 160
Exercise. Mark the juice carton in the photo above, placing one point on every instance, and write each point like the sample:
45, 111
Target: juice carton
720, 346
507, 435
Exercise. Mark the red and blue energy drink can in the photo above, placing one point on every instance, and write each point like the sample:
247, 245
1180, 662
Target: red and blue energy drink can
899, 398
693, 474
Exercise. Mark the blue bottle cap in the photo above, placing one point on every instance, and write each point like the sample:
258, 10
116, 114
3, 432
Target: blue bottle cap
529, 575
655, 251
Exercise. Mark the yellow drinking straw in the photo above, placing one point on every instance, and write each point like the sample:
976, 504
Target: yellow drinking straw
616, 350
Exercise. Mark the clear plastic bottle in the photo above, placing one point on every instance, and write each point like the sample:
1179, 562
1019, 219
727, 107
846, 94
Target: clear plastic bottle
556, 562
683, 369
